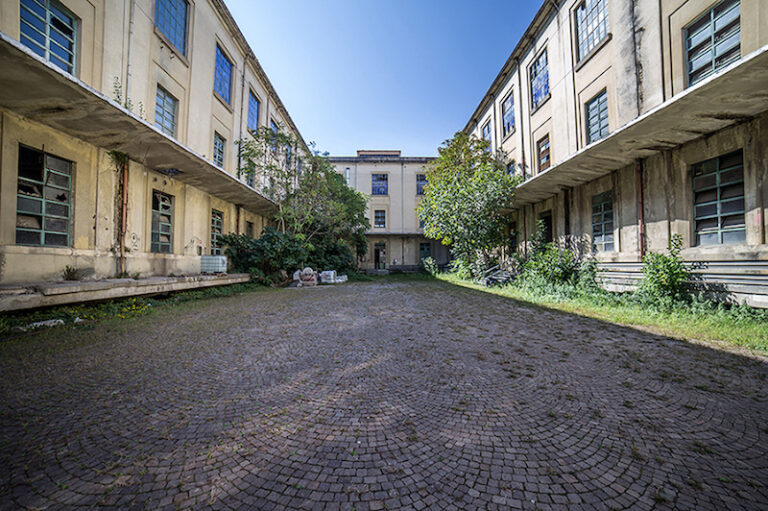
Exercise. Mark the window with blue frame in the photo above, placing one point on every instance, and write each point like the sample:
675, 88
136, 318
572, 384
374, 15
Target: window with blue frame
421, 182
253, 111
49, 30
591, 25
508, 115
217, 231
166, 109
222, 78
379, 184
171, 21
597, 117
43, 199
219, 144
379, 218
718, 200
713, 41
273, 126
539, 77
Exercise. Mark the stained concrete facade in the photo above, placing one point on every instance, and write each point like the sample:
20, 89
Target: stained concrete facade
107, 102
396, 239
662, 124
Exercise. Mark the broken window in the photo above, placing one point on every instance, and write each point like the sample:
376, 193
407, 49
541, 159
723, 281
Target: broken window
718, 200
602, 222
542, 149
217, 224
43, 199
49, 30
162, 222
249, 229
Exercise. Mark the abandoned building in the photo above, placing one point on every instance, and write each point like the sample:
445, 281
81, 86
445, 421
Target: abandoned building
118, 130
631, 122
395, 185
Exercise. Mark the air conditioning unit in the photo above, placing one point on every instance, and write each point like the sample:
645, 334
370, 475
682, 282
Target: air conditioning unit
213, 264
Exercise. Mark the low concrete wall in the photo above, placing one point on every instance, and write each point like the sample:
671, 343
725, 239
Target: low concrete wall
46, 294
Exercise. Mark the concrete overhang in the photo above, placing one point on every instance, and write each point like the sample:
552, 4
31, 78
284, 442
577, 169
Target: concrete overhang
735, 94
40, 91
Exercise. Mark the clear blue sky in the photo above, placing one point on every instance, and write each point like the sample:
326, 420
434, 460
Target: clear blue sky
386, 74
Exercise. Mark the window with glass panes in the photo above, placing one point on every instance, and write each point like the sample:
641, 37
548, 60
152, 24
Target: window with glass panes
421, 182
718, 200
222, 76
43, 199
162, 223
379, 184
713, 41
217, 225
539, 76
249, 229
542, 150
253, 111
597, 117
49, 30
425, 250
219, 144
166, 109
602, 222
171, 21
591, 25
487, 131
508, 115
379, 218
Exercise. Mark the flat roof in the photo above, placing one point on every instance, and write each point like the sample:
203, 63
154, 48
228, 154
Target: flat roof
40, 91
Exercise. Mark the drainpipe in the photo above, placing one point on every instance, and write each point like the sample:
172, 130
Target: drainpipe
128, 55
123, 215
525, 232
640, 212
240, 126
637, 64
237, 219
522, 117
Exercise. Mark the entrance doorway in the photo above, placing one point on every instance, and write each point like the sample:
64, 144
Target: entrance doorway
380, 256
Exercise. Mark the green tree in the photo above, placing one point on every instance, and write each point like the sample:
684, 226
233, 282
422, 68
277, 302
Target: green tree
468, 188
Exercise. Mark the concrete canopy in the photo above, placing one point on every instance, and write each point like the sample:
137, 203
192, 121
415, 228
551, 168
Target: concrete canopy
42, 92
735, 94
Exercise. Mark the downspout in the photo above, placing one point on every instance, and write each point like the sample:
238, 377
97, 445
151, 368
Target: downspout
237, 219
522, 117
525, 232
640, 210
123, 214
240, 128
128, 55
638, 93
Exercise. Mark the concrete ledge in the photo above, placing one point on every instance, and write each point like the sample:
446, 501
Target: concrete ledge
45, 294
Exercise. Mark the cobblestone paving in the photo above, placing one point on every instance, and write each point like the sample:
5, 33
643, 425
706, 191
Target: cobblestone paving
399, 395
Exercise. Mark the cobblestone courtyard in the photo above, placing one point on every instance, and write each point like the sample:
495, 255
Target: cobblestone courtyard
396, 395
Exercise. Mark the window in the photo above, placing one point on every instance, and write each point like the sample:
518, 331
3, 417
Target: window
545, 221
591, 25
249, 229
346, 175
425, 250
217, 223
162, 222
597, 117
166, 108
513, 236
222, 77
713, 41
539, 75
49, 30
602, 222
487, 131
508, 115
718, 200
542, 150
379, 184
288, 150
171, 21
379, 218
511, 168
421, 223
421, 182
43, 199
219, 145
253, 111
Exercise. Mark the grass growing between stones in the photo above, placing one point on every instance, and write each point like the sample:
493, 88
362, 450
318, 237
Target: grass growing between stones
729, 325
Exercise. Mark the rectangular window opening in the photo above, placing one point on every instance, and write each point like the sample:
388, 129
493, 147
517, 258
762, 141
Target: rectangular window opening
219, 147
379, 218
596, 114
49, 30
222, 81
542, 152
217, 225
602, 222
713, 40
379, 184
166, 111
171, 21
718, 200
162, 223
539, 77
421, 182
591, 26
508, 115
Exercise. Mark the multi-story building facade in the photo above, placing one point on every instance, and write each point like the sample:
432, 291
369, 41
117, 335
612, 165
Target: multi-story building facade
395, 185
633, 121
170, 85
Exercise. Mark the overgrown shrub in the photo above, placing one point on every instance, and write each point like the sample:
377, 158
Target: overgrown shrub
554, 265
429, 265
665, 276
